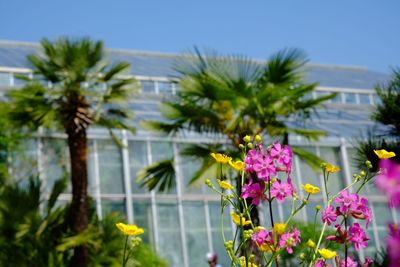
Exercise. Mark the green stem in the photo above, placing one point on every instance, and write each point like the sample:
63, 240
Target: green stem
123, 259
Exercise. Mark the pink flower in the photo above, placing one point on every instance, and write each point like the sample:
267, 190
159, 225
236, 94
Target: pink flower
281, 190
388, 181
289, 240
264, 167
350, 263
357, 236
362, 211
254, 191
263, 237
321, 263
393, 245
251, 157
282, 155
346, 202
367, 262
329, 215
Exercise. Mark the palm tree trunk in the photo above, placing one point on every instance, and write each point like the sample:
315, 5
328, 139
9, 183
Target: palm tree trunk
77, 143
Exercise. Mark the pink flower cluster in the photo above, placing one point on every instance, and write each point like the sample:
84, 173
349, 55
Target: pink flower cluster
288, 240
388, 181
265, 164
350, 263
349, 204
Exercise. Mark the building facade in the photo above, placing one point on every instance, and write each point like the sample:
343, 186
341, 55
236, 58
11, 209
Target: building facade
184, 224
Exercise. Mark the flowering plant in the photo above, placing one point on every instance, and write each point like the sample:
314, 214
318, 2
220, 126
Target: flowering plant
263, 176
133, 231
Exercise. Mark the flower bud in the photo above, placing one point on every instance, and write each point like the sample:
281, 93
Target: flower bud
241, 146
257, 138
247, 139
305, 201
250, 145
368, 164
362, 173
302, 256
317, 208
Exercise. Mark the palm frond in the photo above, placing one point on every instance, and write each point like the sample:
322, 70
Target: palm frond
311, 159
160, 176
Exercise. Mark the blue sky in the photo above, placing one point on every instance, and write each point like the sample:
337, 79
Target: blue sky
343, 32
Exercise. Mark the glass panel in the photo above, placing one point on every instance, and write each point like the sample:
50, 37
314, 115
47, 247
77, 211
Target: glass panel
148, 87
113, 205
24, 160
322, 93
163, 151
196, 232
337, 98
217, 241
164, 87
143, 218
19, 82
169, 233
308, 175
336, 180
350, 98
110, 167
364, 99
4, 79
55, 159
382, 214
377, 100
188, 166
137, 161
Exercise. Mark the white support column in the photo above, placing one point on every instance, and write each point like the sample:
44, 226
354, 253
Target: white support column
208, 227
153, 202
345, 162
127, 176
321, 177
96, 177
180, 207
299, 182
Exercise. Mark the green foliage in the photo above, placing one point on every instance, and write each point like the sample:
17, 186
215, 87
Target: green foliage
35, 232
388, 114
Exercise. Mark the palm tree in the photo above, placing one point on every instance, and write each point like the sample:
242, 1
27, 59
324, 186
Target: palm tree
74, 88
230, 97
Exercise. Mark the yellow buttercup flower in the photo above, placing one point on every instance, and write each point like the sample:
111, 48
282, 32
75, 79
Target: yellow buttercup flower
221, 158
383, 154
237, 165
242, 263
326, 253
279, 228
332, 168
310, 243
129, 229
224, 184
309, 188
236, 219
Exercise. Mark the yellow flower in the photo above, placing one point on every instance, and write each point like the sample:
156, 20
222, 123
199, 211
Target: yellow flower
332, 168
237, 165
279, 228
242, 263
326, 253
309, 188
224, 184
310, 243
221, 158
383, 154
129, 229
236, 219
